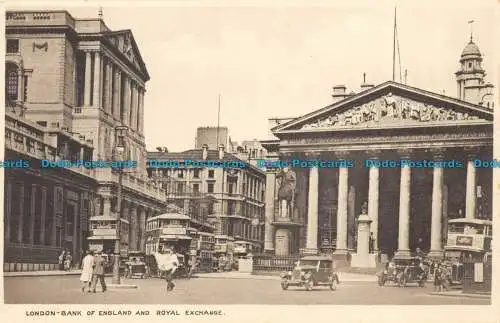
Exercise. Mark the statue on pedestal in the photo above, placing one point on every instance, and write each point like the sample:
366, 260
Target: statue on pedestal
286, 192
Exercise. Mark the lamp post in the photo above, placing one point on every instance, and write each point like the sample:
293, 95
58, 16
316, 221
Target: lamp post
119, 155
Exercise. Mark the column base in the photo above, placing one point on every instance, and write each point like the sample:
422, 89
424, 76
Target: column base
435, 254
341, 252
402, 254
269, 251
368, 260
309, 251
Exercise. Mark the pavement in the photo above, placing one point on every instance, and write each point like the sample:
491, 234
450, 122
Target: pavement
65, 289
459, 293
41, 273
351, 277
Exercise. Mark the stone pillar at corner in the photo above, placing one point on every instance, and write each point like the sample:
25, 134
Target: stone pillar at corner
363, 258
269, 211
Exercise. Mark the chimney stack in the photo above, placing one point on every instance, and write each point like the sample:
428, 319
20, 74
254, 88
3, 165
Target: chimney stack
221, 151
204, 151
339, 93
365, 86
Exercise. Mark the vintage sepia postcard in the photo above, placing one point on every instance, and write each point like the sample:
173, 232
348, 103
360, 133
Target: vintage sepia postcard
236, 161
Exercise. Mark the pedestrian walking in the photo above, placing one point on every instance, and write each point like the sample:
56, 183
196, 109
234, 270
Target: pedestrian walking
68, 260
61, 259
87, 271
98, 272
168, 262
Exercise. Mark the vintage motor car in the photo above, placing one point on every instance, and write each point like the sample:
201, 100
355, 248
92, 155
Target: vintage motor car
404, 271
136, 266
311, 271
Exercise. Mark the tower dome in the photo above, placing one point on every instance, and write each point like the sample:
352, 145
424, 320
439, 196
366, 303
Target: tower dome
471, 50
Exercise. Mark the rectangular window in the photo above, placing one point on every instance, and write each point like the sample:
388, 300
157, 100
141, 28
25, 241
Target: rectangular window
210, 187
230, 188
211, 173
12, 46
180, 173
196, 188
196, 173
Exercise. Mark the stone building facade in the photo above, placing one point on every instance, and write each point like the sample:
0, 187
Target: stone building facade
79, 77
408, 205
238, 193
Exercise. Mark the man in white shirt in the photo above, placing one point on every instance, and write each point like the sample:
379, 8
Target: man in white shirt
168, 262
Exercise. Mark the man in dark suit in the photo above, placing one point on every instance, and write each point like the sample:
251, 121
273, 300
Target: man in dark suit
98, 274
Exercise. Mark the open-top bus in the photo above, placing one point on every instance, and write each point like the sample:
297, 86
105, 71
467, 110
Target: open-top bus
467, 239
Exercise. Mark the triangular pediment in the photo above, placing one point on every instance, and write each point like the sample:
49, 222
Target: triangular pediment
124, 42
390, 105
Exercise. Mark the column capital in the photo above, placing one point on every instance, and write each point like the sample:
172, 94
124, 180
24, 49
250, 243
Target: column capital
341, 154
471, 152
312, 154
405, 153
438, 153
374, 153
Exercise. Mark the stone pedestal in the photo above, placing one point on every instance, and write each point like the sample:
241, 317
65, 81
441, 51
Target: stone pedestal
363, 258
282, 244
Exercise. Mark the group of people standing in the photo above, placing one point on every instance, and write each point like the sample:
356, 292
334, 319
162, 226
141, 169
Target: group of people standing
93, 266
65, 260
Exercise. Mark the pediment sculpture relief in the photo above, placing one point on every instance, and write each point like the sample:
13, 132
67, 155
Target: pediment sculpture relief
389, 108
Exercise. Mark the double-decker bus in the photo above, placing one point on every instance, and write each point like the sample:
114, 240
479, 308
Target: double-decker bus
467, 239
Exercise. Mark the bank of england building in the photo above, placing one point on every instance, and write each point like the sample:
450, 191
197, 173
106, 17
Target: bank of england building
74, 88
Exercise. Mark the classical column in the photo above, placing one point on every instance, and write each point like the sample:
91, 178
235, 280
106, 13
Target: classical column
470, 193
43, 215
88, 71
75, 234
106, 200
8, 209
96, 98
437, 207
21, 212
133, 228
312, 211
141, 111
404, 207
126, 104
373, 198
106, 99
131, 117
117, 94
343, 190
269, 215
142, 222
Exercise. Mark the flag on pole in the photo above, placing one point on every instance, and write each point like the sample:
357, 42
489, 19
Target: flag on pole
471, 21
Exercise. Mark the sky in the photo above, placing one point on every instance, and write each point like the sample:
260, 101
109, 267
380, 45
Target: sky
282, 60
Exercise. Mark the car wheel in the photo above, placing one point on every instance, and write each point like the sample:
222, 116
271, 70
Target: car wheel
284, 285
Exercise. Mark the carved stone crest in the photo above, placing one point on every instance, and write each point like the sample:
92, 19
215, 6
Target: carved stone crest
41, 46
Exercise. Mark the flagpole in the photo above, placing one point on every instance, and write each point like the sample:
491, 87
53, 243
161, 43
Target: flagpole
218, 121
394, 49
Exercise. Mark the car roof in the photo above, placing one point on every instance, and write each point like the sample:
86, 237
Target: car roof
323, 258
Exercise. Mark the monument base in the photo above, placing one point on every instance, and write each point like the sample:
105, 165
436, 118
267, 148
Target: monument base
364, 260
341, 258
402, 254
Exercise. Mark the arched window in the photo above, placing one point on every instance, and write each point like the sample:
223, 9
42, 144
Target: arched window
11, 82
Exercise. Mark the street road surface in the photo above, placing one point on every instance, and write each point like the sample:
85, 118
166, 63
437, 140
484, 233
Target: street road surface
66, 290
